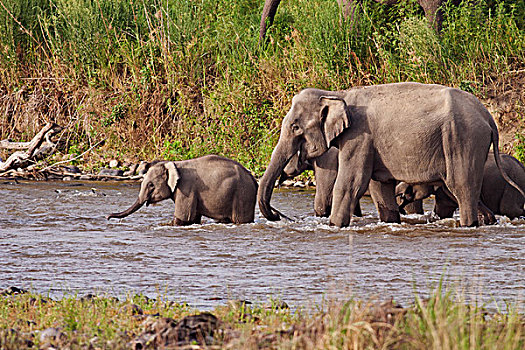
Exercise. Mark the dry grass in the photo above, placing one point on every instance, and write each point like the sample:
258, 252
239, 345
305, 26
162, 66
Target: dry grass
440, 322
186, 79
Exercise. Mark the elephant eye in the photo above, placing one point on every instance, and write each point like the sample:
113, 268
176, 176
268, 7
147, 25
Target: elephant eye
295, 127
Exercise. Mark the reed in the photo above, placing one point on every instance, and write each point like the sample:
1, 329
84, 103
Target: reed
179, 79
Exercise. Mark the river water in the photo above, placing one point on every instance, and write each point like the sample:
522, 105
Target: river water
54, 239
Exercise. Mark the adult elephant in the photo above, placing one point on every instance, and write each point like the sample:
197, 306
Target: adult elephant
432, 8
496, 194
417, 133
325, 171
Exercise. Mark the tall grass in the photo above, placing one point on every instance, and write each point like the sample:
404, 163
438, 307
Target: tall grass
179, 79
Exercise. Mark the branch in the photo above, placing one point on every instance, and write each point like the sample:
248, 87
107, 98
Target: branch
70, 160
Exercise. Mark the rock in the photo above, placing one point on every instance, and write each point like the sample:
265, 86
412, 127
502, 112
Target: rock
288, 183
85, 177
67, 178
113, 163
111, 172
73, 169
13, 291
51, 334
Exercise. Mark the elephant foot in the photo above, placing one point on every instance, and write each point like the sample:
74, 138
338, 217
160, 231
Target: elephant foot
338, 223
179, 222
474, 224
389, 215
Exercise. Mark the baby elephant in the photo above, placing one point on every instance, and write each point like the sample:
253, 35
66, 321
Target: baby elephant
497, 195
213, 186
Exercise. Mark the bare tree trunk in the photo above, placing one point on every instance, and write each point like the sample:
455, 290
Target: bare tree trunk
269, 11
22, 159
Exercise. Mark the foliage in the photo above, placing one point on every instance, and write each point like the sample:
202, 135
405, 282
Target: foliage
180, 79
445, 320
519, 148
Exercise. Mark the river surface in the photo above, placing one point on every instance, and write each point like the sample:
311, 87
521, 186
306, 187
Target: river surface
54, 239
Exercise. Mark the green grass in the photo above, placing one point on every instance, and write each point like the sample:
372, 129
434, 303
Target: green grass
442, 321
181, 79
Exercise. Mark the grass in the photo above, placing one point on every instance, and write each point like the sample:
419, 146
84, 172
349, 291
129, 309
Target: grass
443, 321
181, 79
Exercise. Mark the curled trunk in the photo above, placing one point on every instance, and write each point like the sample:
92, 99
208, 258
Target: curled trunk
264, 194
136, 206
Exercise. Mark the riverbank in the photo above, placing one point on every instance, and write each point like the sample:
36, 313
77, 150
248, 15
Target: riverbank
138, 81
95, 322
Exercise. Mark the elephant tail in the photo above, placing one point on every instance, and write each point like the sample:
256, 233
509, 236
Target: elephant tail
497, 159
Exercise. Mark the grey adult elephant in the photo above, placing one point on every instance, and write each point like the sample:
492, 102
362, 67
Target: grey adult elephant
496, 194
211, 186
432, 8
410, 132
325, 171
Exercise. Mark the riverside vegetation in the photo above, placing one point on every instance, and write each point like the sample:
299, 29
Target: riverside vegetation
443, 321
180, 79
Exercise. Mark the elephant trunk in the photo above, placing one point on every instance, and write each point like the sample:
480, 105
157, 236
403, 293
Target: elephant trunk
136, 206
264, 194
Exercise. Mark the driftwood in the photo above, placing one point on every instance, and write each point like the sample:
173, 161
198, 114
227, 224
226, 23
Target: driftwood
39, 143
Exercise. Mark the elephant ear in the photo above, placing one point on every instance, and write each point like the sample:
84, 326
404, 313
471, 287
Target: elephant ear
173, 175
335, 117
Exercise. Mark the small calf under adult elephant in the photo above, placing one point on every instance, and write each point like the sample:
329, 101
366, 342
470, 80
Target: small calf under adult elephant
496, 194
211, 186
325, 171
417, 133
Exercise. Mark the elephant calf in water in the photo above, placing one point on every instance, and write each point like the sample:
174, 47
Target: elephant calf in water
213, 186
497, 195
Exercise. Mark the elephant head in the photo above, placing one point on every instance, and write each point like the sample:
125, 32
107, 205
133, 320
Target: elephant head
295, 167
159, 183
315, 119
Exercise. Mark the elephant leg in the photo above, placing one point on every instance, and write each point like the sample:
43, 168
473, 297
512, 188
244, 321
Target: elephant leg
186, 209
467, 198
322, 202
383, 195
346, 194
444, 205
414, 207
180, 222
357, 210
355, 171
511, 204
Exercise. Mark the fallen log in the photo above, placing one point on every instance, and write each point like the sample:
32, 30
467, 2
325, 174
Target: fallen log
20, 159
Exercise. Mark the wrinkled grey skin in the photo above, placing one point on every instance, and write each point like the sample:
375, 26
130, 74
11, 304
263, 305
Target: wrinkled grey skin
411, 132
325, 170
433, 12
211, 186
498, 196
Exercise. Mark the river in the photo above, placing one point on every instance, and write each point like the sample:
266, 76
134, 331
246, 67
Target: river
55, 240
